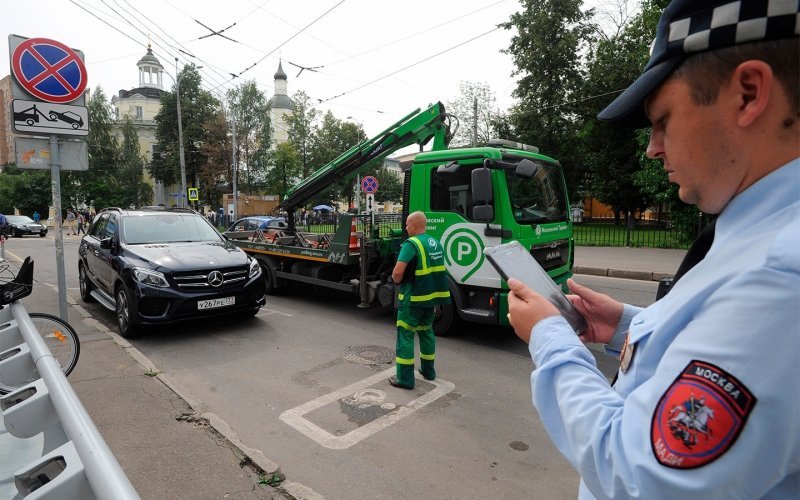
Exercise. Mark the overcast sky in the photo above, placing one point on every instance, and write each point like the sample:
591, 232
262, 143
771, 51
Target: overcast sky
386, 58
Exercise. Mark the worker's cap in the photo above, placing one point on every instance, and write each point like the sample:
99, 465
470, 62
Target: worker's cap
690, 26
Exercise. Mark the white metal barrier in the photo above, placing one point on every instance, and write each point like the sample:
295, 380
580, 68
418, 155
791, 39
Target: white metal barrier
46, 435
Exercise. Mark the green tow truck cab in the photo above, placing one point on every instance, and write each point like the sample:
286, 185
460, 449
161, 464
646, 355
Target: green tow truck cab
474, 198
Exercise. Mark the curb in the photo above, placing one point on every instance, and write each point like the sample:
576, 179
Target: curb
621, 273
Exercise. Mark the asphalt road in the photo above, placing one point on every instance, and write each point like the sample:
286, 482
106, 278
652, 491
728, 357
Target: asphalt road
305, 383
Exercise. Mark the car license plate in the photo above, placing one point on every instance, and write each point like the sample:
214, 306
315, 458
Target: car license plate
214, 303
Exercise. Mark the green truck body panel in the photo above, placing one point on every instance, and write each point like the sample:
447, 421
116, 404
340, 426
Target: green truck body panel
529, 206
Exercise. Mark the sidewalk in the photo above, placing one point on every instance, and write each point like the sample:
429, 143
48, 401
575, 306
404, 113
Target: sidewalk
167, 447
649, 264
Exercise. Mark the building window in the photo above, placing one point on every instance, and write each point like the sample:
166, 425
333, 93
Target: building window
139, 113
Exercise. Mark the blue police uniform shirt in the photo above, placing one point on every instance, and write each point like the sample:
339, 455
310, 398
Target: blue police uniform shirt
709, 403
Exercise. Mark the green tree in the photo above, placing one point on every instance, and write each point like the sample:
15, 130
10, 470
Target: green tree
25, 190
390, 187
463, 107
612, 156
301, 122
100, 184
332, 138
198, 107
285, 169
216, 175
250, 108
546, 50
131, 168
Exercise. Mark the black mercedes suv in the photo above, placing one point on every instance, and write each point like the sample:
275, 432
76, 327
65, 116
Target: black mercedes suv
160, 266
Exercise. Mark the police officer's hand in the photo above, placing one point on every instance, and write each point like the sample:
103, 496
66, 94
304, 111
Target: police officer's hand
526, 308
602, 313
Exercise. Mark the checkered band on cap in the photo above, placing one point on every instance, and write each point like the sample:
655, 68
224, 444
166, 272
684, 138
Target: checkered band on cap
687, 27
734, 23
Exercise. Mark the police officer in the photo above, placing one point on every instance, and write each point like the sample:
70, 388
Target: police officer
422, 279
721, 92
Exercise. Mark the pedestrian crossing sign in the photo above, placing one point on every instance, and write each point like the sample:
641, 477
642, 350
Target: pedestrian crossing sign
193, 194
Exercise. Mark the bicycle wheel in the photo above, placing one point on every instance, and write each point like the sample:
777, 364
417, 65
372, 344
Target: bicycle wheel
60, 338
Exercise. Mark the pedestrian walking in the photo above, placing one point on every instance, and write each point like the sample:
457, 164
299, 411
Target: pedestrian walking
36, 216
81, 223
422, 279
709, 380
5, 227
71, 222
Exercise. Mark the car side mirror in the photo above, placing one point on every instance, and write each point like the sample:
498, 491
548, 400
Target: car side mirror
105, 243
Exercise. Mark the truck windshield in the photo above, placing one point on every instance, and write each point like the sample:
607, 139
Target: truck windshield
539, 198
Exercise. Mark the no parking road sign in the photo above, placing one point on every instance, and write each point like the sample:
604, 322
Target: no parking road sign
48, 70
369, 184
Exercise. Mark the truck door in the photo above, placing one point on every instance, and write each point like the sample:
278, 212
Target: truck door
452, 219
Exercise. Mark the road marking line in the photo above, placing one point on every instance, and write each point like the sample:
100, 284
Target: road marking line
270, 312
295, 416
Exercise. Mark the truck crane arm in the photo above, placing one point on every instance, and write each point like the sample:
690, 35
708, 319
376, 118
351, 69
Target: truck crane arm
416, 127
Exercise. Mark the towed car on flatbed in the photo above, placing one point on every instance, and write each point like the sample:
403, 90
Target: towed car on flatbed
160, 266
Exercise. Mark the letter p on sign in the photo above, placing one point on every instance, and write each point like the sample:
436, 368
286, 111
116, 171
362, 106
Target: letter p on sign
463, 248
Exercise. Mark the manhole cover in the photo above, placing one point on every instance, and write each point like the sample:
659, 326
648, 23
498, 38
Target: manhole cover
369, 355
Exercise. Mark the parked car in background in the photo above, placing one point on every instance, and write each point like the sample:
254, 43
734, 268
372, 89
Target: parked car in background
22, 225
160, 266
244, 228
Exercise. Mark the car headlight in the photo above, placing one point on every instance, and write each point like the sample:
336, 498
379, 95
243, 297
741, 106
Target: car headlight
150, 277
255, 269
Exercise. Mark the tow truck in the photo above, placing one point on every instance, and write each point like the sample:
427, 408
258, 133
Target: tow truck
473, 197
31, 116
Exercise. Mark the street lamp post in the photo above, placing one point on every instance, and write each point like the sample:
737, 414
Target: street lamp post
358, 177
233, 166
180, 135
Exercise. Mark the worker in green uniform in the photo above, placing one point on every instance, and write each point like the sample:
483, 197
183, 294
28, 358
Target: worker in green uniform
422, 280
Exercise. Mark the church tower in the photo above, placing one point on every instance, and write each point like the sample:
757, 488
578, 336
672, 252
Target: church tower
142, 104
281, 105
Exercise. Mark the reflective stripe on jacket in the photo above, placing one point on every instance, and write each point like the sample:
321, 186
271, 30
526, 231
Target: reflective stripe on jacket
430, 287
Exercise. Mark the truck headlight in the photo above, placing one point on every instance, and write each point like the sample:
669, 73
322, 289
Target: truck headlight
255, 269
150, 277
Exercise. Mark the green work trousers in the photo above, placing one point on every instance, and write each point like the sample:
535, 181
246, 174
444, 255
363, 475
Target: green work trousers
410, 321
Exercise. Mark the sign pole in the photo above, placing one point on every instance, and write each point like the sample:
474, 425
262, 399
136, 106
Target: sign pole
55, 179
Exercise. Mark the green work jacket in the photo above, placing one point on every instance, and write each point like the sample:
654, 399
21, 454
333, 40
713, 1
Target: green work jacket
429, 287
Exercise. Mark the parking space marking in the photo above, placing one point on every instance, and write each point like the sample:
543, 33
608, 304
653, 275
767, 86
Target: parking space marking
295, 416
268, 312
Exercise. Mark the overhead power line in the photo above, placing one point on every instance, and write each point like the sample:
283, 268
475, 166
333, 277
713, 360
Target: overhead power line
407, 67
217, 33
291, 38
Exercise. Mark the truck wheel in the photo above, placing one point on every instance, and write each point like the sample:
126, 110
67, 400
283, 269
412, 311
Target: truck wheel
270, 282
446, 321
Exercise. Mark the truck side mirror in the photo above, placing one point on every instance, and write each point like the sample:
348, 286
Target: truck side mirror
482, 186
483, 211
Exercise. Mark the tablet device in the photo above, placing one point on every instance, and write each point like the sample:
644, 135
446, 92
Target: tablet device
512, 260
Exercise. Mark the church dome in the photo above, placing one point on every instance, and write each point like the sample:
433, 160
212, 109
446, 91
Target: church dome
281, 101
280, 74
149, 59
